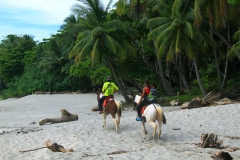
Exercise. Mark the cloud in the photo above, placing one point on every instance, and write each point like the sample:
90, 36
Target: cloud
39, 18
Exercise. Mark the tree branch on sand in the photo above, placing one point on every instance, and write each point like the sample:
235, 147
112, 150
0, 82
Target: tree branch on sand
66, 117
52, 146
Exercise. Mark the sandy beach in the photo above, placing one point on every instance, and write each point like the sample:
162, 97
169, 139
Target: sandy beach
19, 131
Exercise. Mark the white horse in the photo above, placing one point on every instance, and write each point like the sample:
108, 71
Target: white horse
112, 107
152, 113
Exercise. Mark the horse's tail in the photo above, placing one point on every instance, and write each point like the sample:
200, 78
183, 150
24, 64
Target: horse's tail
119, 107
161, 113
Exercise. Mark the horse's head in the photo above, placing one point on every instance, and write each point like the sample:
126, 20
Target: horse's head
99, 95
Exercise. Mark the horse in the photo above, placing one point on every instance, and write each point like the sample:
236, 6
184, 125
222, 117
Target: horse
113, 107
150, 114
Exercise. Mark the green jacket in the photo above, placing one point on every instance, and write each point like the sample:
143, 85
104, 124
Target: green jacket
109, 89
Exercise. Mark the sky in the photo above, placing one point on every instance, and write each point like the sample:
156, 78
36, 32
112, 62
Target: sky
38, 18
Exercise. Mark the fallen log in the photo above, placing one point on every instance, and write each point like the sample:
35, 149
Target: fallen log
66, 117
95, 108
221, 155
56, 147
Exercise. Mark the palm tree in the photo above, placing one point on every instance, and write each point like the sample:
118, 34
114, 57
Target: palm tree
139, 7
101, 39
54, 57
176, 35
219, 13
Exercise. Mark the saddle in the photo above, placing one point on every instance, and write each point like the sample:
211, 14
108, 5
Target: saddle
143, 108
106, 100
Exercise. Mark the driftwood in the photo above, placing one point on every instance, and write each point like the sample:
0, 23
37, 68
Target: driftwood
56, 147
207, 100
52, 146
95, 108
174, 102
66, 117
221, 155
210, 140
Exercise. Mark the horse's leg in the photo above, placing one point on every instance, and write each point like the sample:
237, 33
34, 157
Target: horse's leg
154, 127
144, 129
159, 127
104, 120
119, 116
116, 123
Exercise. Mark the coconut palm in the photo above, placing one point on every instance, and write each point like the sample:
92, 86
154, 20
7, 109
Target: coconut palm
139, 8
54, 57
220, 13
100, 38
176, 35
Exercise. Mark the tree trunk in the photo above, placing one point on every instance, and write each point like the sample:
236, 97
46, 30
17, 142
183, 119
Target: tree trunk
198, 77
181, 75
165, 83
226, 63
216, 59
127, 99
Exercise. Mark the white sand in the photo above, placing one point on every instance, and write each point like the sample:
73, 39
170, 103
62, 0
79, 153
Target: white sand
87, 137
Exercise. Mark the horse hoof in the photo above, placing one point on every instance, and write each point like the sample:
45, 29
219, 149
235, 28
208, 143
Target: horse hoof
146, 132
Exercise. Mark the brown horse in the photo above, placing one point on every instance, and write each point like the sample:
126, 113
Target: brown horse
113, 107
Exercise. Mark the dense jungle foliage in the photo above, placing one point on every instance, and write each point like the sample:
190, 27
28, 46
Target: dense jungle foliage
189, 47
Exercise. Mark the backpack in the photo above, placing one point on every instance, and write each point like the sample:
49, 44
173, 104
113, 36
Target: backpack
152, 94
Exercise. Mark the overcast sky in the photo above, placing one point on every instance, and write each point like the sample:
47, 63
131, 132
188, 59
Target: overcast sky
39, 18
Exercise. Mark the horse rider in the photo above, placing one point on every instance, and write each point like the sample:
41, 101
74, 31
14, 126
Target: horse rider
144, 99
108, 89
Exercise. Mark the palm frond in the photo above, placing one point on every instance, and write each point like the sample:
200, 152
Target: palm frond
88, 48
110, 43
78, 48
189, 49
119, 25
158, 31
207, 38
155, 22
162, 9
97, 32
236, 35
142, 23
180, 44
199, 11
235, 50
95, 50
189, 29
171, 50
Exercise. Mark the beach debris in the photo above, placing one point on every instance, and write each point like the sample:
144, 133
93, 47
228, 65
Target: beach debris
32, 149
95, 108
197, 102
52, 146
119, 152
176, 128
56, 147
66, 117
221, 155
185, 105
223, 101
59, 92
210, 140
174, 102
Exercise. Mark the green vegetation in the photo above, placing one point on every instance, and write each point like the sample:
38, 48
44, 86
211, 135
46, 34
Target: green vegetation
185, 46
